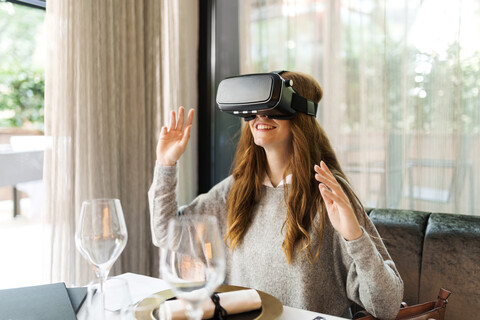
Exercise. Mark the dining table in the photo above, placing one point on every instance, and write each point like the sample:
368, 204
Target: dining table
142, 287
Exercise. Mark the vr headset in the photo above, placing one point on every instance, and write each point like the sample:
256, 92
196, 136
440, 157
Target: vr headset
263, 94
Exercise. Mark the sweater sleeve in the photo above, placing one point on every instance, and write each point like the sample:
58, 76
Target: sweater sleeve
372, 278
163, 202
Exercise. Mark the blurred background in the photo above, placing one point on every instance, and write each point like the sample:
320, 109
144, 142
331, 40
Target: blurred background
401, 106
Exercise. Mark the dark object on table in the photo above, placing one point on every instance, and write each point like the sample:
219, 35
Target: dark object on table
44, 302
220, 312
77, 297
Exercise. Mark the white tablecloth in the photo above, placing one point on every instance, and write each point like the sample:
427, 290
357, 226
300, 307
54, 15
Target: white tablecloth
143, 286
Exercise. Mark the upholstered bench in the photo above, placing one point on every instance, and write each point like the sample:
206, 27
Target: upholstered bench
434, 250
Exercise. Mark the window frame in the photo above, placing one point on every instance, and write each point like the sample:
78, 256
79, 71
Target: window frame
37, 4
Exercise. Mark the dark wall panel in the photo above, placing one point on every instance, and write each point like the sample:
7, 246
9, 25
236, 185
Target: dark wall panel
218, 59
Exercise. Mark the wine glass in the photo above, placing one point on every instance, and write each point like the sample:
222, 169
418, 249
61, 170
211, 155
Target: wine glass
115, 304
101, 235
193, 262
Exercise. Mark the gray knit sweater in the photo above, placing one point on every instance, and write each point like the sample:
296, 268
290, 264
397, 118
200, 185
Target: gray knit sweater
360, 270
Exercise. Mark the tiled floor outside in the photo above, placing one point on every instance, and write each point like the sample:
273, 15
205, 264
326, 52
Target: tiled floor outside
20, 246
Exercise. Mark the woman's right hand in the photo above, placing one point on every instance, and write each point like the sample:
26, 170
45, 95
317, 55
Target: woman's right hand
173, 140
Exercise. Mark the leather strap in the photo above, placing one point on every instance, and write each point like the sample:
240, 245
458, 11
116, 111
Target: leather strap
300, 103
304, 105
443, 295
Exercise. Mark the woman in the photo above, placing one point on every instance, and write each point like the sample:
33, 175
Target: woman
293, 225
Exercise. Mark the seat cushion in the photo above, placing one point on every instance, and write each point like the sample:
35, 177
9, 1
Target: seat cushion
451, 259
403, 233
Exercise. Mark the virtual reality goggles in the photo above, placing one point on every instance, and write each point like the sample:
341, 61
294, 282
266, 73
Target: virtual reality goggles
263, 94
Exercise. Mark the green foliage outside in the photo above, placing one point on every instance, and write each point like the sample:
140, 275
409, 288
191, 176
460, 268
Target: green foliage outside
21, 66
21, 99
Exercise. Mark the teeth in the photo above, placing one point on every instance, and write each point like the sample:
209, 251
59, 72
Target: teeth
264, 127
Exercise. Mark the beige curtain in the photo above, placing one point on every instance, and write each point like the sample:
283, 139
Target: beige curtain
401, 96
115, 69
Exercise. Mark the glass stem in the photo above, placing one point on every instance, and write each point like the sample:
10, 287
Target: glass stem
194, 310
102, 275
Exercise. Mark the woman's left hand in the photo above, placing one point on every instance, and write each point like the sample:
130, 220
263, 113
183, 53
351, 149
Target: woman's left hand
338, 205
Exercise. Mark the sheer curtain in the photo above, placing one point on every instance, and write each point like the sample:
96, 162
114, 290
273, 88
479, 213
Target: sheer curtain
401, 96
115, 69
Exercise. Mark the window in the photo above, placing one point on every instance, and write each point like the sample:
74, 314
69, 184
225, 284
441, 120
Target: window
21, 153
401, 95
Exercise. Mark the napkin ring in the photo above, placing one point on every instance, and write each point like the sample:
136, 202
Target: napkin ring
220, 313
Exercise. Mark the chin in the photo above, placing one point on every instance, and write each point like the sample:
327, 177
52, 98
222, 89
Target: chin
260, 142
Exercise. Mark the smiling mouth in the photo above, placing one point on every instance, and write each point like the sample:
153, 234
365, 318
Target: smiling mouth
264, 127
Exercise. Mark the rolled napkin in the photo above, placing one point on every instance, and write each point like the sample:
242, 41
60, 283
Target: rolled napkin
233, 302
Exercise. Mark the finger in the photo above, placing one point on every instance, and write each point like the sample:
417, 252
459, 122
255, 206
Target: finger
332, 187
332, 184
164, 130
332, 195
172, 121
323, 191
190, 115
181, 117
326, 176
186, 136
320, 179
319, 170
336, 190
323, 170
324, 166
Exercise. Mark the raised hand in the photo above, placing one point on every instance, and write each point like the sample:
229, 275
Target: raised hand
173, 140
338, 205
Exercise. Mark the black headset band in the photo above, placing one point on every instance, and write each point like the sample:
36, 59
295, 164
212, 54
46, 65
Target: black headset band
300, 103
